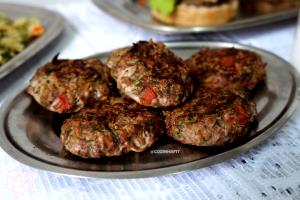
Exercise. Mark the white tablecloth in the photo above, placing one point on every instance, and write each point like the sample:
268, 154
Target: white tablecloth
269, 171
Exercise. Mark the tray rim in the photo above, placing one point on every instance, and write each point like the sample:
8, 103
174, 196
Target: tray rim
52, 32
22, 157
169, 29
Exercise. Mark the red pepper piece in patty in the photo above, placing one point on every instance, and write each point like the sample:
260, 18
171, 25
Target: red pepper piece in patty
148, 96
64, 103
242, 115
227, 61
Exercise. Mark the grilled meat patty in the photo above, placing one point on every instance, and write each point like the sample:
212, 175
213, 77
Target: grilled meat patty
211, 118
111, 128
151, 74
228, 68
204, 2
66, 86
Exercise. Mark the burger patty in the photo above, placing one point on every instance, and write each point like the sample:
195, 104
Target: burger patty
111, 128
211, 118
228, 68
66, 86
151, 74
204, 2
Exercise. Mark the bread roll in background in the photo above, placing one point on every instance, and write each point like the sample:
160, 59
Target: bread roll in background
199, 12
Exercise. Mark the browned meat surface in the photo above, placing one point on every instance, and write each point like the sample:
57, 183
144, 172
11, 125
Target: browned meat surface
66, 86
151, 74
211, 118
232, 69
112, 128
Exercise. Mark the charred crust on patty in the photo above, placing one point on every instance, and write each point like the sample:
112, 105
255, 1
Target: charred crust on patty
237, 70
111, 128
158, 98
151, 74
158, 62
66, 86
211, 118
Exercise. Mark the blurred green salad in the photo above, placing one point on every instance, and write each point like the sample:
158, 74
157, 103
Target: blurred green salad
16, 35
165, 7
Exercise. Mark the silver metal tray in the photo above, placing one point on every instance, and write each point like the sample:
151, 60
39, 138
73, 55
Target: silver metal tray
52, 22
30, 134
130, 12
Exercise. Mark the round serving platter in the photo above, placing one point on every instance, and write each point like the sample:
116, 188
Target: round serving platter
30, 134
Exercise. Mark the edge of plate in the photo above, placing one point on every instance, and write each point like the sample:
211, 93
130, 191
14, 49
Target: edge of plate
36, 46
23, 158
168, 29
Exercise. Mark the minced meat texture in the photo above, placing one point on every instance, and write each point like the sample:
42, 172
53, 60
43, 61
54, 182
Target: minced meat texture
66, 86
151, 74
211, 118
111, 128
227, 68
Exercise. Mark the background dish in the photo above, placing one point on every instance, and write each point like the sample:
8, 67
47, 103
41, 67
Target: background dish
52, 22
29, 133
130, 12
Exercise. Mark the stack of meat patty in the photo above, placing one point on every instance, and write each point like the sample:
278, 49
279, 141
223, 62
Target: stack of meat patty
202, 101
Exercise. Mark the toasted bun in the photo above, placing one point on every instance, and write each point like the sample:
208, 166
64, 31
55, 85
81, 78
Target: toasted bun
190, 15
264, 6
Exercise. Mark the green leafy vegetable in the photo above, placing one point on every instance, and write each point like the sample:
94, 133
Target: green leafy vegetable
165, 7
